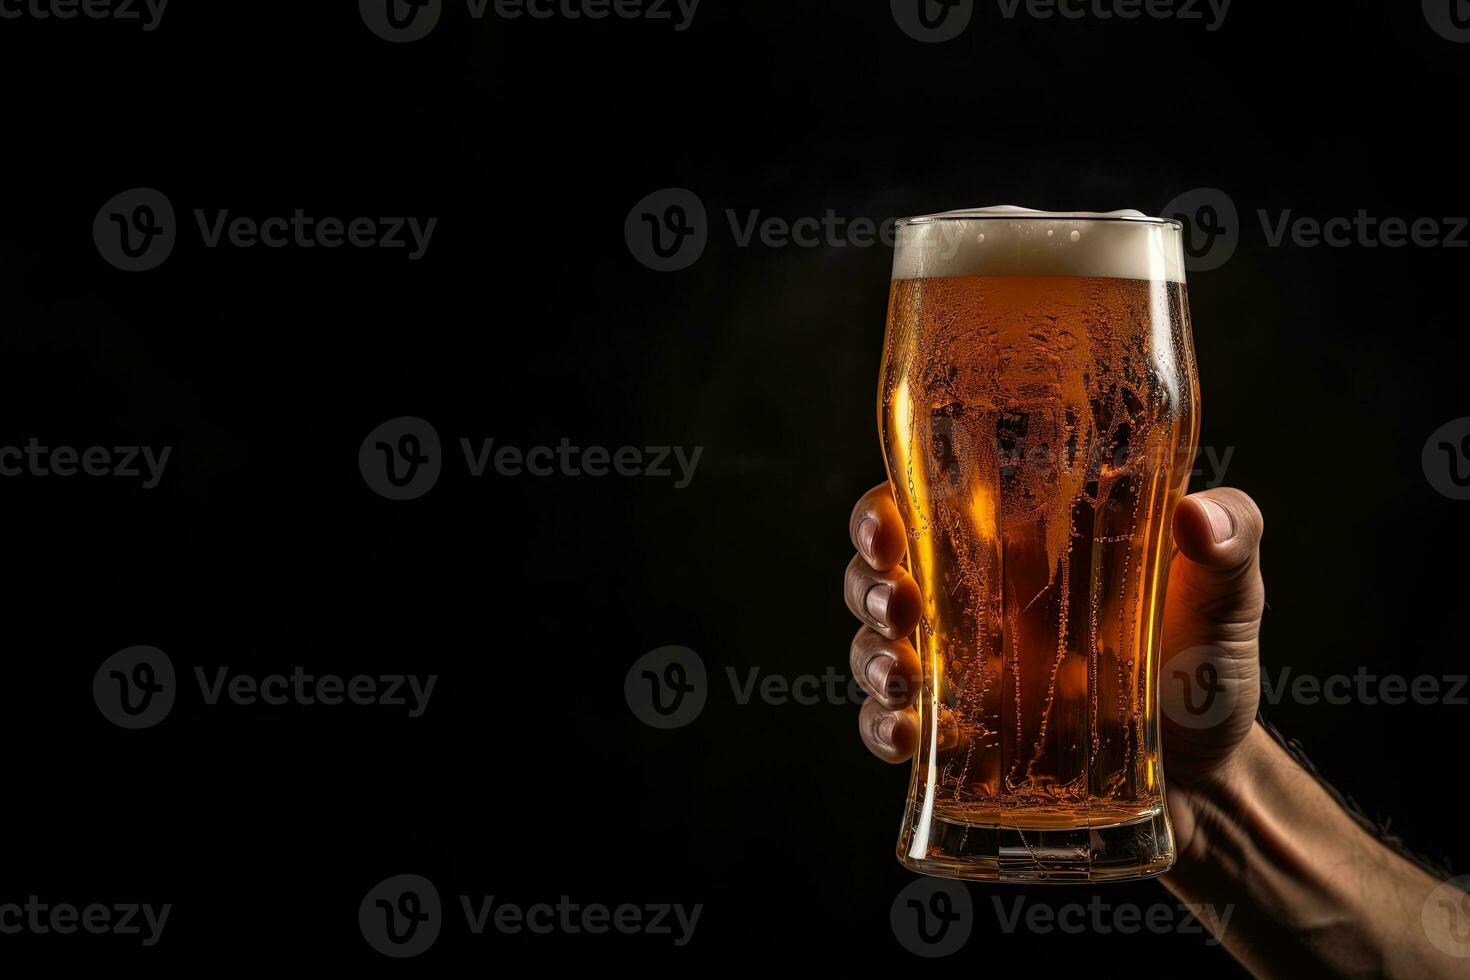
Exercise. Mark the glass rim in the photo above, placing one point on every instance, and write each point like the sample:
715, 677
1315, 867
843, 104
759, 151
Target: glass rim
1141, 219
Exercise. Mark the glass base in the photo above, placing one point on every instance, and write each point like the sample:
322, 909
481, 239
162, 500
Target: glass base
1127, 851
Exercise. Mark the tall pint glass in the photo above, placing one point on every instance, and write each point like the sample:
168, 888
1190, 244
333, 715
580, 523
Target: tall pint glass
1039, 416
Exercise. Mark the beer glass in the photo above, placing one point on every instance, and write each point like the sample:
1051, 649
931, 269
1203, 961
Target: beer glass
1039, 415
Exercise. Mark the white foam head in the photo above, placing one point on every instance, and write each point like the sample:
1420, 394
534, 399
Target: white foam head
1011, 241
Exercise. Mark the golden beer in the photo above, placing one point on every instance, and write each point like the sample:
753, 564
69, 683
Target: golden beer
1038, 410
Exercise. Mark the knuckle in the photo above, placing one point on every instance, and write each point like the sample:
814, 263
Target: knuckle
1230, 602
855, 583
865, 507
858, 652
859, 511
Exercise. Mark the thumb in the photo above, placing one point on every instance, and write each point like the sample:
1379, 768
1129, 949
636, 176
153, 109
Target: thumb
1215, 580
1210, 669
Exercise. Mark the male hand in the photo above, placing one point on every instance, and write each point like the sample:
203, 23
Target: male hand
1209, 666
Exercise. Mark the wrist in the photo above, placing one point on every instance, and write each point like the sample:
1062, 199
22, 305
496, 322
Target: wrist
1258, 826
1305, 883
1210, 809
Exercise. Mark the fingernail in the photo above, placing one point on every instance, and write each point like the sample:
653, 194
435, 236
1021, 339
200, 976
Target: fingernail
898, 687
876, 602
1221, 526
879, 672
883, 730
867, 531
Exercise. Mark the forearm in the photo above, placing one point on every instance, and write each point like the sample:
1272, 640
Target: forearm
1306, 890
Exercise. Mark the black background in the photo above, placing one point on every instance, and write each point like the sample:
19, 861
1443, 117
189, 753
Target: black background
529, 320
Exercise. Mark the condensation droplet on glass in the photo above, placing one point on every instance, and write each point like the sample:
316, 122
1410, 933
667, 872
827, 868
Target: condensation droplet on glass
1076, 236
